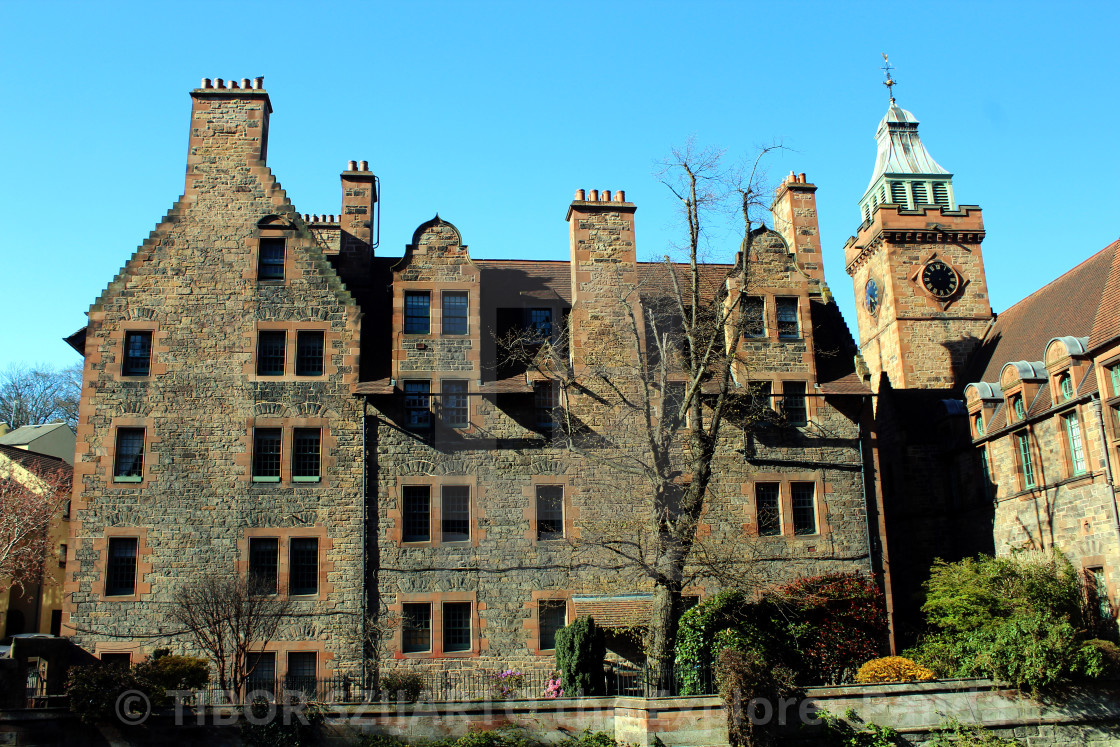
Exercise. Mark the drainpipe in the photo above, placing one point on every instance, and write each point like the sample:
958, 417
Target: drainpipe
1095, 404
866, 510
365, 531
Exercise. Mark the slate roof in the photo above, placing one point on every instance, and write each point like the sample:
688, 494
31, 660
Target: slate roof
1072, 304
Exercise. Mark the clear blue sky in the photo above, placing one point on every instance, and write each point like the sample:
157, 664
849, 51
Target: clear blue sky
494, 113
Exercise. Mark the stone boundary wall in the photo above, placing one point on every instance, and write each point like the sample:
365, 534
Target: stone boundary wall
1084, 717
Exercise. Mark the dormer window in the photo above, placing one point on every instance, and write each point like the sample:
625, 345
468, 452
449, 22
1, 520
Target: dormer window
1065, 387
978, 424
1017, 407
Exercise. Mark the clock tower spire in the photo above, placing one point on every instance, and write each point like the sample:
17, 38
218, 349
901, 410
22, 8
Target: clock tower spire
916, 264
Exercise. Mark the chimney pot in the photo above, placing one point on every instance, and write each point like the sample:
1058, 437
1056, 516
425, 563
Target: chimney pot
306, 218
364, 166
219, 83
258, 82
232, 84
351, 165
606, 195
206, 83
594, 196
801, 177
620, 195
245, 83
581, 195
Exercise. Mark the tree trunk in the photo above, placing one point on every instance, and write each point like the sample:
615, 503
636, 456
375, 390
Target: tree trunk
663, 622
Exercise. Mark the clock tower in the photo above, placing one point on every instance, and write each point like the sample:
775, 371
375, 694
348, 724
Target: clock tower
921, 295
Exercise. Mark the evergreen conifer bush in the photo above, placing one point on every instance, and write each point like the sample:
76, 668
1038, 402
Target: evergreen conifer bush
580, 652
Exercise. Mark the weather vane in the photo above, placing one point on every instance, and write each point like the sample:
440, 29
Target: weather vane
889, 82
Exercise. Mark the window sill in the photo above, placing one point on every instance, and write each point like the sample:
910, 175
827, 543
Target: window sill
257, 478
134, 479
305, 479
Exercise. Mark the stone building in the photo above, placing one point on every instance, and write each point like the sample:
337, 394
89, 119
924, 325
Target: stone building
1024, 461
262, 394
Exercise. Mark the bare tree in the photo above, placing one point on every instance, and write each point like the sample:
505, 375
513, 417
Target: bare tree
40, 393
687, 383
29, 501
229, 616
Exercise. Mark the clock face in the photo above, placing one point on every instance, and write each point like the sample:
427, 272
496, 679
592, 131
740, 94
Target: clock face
871, 297
940, 279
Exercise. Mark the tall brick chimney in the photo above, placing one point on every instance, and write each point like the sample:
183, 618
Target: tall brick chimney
359, 196
229, 130
795, 218
604, 281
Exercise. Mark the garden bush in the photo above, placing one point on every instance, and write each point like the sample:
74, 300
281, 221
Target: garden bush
93, 690
580, 652
401, 685
744, 676
165, 672
1020, 619
892, 669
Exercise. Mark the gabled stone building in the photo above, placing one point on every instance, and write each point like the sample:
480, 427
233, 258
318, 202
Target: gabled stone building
264, 395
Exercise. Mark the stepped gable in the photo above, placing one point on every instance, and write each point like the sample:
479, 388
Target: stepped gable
1063, 307
834, 350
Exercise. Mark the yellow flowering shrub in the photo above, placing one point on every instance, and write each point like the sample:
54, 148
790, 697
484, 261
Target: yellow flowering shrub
892, 669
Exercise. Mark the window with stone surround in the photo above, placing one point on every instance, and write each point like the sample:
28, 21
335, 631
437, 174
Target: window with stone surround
120, 570
417, 405
550, 512
416, 513
754, 316
455, 513
1025, 460
309, 353
306, 445
303, 566
552, 615
1017, 407
1072, 427
768, 508
266, 454
793, 402
455, 312
116, 658
302, 671
137, 353
264, 565
456, 405
270, 352
270, 259
788, 327
416, 628
457, 626
1114, 378
417, 312
803, 500
128, 464
1097, 589
262, 670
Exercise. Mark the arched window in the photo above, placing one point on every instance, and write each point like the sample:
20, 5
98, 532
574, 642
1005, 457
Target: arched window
979, 423
1065, 387
1018, 408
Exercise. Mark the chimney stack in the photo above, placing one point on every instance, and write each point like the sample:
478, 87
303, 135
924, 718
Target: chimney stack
795, 218
229, 129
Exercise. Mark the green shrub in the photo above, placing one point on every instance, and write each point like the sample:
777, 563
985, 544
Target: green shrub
580, 651
401, 685
1019, 619
1109, 654
169, 672
697, 633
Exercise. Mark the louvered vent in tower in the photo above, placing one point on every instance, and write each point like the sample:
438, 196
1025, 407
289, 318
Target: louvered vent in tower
866, 213
883, 194
921, 197
940, 194
898, 193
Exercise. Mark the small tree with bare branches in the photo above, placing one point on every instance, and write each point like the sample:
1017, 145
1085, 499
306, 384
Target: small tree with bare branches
229, 616
669, 409
29, 501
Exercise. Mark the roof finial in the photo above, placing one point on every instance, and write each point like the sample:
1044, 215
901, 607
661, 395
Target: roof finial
889, 82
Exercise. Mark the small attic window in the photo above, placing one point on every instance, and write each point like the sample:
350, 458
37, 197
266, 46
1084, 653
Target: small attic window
978, 423
270, 262
1017, 407
1065, 387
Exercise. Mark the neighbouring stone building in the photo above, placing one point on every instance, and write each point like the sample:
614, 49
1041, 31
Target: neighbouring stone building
264, 395
1025, 460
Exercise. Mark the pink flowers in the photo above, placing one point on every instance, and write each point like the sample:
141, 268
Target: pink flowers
553, 687
505, 683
